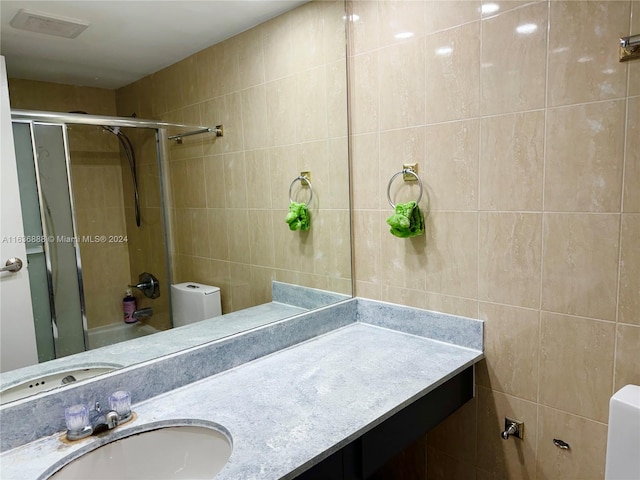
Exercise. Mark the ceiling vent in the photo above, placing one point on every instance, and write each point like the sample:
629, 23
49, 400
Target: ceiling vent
48, 24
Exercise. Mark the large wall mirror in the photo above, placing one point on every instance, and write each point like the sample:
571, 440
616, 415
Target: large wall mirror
211, 216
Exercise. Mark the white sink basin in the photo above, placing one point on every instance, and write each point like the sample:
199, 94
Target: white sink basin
50, 381
176, 452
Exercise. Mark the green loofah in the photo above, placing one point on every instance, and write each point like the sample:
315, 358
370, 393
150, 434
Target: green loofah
298, 217
407, 221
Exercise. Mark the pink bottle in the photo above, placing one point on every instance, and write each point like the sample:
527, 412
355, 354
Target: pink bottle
129, 306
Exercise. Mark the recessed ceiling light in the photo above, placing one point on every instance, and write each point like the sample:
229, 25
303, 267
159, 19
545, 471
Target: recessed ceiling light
40, 22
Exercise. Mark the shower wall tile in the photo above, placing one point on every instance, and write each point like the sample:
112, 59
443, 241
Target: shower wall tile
235, 180
218, 70
251, 67
213, 172
217, 237
365, 153
257, 173
312, 157
398, 147
451, 166
337, 192
403, 261
585, 388
634, 67
403, 296
453, 305
238, 234
365, 99
578, 49
585, 176
587, 440
367, 254
512, 162
307, 28
580, 264
510, 256
280, 104
254, 117
240, 286
511, 350
502, 459
491, 8
188, 80
336, 81
225, 110
284, 168
512, 68
261, 238
445, 15
310, 111
278, 43
453, 73
447, 254
148, 185
399, 21
628, 298
402, 85
56, 97
363, 26
627, 368
631, 192
199, 230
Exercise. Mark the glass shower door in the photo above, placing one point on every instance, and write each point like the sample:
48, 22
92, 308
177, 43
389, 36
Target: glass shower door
50, 236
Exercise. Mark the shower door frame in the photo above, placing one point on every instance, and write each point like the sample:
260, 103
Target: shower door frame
34, 117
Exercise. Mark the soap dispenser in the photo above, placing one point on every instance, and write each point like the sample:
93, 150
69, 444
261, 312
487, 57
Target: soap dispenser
129, 307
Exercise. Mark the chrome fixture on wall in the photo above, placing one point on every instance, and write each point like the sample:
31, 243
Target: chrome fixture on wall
218, 130
630, 48
148, 285
512, 428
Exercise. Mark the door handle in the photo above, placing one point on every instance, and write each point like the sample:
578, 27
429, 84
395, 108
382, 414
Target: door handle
14, 264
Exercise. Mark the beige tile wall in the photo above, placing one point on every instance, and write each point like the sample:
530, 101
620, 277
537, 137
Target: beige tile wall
97, 185
279, 90
146, 243
525, 127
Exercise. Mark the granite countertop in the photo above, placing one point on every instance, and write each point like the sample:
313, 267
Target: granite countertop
288, 300
290, 409
153, 346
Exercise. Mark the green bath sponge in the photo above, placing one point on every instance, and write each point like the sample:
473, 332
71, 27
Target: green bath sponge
407, 221
298, 217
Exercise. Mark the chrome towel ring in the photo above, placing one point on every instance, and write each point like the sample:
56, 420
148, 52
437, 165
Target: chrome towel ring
403, 172
302, 179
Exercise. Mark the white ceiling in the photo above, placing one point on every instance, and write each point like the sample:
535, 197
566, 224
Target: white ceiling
126, 39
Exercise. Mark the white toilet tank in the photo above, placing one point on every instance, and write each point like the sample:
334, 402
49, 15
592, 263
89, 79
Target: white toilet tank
623, 436
192, 302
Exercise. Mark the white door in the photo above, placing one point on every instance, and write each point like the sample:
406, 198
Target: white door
17, 331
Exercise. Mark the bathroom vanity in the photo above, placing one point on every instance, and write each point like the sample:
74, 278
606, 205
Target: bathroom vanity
330, 394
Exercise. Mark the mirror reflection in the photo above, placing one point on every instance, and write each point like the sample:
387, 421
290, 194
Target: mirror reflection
208, 221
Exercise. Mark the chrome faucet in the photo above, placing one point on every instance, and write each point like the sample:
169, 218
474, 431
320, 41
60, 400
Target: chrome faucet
82, 423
